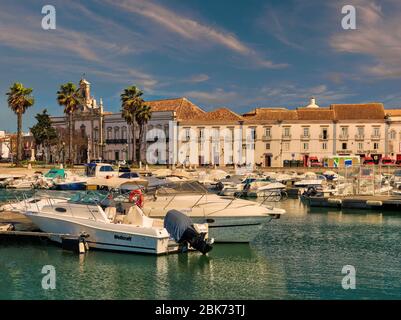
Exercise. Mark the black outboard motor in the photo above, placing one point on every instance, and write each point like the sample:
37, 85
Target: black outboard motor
180, 227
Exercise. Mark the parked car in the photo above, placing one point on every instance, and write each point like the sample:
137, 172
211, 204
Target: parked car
368, 161
314, 162
387, 161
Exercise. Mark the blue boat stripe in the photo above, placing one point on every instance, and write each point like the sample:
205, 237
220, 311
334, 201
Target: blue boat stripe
120, 245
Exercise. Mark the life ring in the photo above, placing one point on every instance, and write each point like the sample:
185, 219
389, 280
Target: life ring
137, 197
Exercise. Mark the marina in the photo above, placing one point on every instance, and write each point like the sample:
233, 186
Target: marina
299, 257
317, 234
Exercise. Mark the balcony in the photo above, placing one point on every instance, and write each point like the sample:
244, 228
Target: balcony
267, 137
323, 136
116, 141
344, 136
359, 137
305, 136
375, 136
286, 137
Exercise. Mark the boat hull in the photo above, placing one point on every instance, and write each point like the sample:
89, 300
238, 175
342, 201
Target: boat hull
70, 186
101, 238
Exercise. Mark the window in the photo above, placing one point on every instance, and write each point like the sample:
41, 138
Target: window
376, 132
106, 169
109, 132
201, 133
83, 130
344, 146
344, 131
253, 133
96, 134
268, 146
360, 145
286, 132
376, 146
306, 132
116, 133
124, 133
324, 133
215, 133
306, 146
392, 135
286, 146
231, 134
268, 132
187, 133
361, 131
324, 145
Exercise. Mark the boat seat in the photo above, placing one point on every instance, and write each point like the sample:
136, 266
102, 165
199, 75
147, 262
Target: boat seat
136, 217
110, 213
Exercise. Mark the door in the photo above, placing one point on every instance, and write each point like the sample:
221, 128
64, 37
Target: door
117, 156
306, 159
268, 160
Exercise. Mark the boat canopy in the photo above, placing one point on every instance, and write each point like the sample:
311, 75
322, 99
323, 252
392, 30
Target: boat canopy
55, 173
180, 187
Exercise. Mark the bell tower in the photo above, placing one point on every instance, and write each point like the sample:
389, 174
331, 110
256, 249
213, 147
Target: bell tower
84, 86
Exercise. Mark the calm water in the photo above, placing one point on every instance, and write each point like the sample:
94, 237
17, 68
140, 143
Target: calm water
297, 257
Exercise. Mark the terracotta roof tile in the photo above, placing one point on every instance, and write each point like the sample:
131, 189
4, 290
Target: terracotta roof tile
184, 108
366, 111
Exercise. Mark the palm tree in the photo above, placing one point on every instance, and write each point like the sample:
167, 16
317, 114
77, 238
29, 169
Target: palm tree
143, 115
131, 102
19, 99
69, 97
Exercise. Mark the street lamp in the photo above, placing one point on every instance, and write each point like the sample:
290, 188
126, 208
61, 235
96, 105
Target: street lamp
63, 154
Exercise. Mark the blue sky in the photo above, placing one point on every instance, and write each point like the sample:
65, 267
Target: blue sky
239, 54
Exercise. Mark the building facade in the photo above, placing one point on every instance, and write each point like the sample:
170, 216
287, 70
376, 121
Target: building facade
180, 132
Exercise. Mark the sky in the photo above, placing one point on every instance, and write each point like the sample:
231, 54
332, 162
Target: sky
217, 53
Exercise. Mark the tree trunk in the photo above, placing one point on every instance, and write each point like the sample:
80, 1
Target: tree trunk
133, 144
141, 158
70, 140
19, 139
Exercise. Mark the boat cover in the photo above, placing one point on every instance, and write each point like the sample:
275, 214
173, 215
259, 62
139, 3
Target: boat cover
176, 223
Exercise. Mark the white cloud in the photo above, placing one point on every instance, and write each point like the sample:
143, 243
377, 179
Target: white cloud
378, 35
191, 29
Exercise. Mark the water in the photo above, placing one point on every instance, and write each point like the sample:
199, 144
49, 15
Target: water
299, 256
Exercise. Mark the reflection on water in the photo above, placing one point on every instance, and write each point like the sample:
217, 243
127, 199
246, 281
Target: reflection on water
298, 256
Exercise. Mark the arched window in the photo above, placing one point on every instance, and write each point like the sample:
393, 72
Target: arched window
116, 133
109, 132
96, 134
124, 132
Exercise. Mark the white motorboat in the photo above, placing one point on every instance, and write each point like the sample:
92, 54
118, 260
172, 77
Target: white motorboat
229, 219
107, 230
274, 191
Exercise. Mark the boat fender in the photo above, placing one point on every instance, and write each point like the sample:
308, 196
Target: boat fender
137, 197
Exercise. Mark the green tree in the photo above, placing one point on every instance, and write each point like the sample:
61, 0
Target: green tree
131, 102
69, 97
19, 99
143, 115
43, 132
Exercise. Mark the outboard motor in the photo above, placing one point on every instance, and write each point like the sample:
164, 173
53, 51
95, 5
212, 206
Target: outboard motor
181, 228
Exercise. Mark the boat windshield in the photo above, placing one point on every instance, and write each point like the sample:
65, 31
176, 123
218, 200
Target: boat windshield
181, 187
90, 197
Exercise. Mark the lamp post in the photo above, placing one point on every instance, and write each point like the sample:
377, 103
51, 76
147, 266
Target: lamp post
63, 154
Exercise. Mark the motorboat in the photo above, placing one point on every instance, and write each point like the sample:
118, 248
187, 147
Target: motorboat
230, 219
274, 191
23, 183
108, 229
